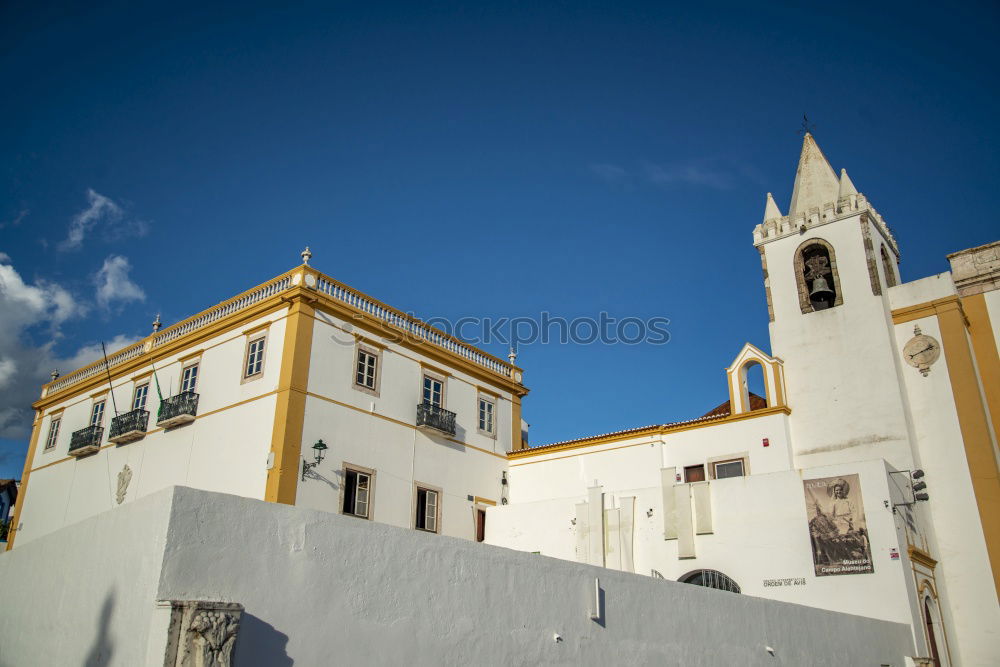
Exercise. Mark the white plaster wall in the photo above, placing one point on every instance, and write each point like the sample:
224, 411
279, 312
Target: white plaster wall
970, 609
635, 463
83, 595
224, 449
839, 371
760, 531
322, 588
380, 433
921, 291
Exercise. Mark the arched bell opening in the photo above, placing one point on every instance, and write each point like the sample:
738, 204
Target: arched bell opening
754, 393
817, 277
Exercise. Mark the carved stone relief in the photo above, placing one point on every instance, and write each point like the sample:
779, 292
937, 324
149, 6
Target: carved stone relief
124, 477
202, 634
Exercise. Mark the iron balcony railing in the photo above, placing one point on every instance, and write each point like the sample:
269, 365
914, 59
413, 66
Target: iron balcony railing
178, 409
129, 426
86, 440
436, 417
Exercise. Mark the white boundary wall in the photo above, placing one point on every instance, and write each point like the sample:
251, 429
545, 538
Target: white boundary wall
321, 588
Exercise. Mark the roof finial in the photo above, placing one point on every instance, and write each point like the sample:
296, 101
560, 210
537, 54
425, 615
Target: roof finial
512, 356
157, 323
306, 256
54, 375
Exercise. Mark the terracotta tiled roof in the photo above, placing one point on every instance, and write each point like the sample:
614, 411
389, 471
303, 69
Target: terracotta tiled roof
756, 403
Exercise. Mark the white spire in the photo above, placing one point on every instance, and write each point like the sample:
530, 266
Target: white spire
771, 210
846, 185
815, 181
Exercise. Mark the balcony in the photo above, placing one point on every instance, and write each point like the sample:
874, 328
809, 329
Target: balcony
86, 441
128, 427
436, 417
177, 410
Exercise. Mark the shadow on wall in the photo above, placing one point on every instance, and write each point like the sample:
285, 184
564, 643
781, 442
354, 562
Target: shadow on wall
259, 643
102, 649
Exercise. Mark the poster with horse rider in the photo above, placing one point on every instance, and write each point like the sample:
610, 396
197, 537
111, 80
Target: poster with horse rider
837, 527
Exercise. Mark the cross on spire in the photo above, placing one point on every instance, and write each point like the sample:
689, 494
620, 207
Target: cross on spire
807, 127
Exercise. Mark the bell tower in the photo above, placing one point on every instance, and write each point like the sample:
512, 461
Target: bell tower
827, 266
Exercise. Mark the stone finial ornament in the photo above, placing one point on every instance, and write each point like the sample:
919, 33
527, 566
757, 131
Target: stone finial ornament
202, 633
157, 324
306, 256
54, 375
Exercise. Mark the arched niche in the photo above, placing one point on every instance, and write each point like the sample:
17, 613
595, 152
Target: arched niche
816, 261
773, 375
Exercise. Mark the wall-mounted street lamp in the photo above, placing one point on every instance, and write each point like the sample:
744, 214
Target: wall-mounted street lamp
318, 453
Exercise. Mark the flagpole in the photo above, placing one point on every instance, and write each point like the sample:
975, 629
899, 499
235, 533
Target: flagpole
107, 367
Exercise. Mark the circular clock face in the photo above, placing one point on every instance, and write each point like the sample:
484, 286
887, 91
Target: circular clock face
921, 350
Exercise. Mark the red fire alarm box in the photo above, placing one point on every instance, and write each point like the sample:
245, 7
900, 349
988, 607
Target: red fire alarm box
766, 443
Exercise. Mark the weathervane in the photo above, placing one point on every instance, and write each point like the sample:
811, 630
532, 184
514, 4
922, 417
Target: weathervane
807, 127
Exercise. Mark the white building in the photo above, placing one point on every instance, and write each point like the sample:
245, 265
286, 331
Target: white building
417, 425
808, 494
868, 380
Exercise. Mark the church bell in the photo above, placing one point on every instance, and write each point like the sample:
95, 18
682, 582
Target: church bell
821, 290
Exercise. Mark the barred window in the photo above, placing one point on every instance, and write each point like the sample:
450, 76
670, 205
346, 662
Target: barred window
710, 579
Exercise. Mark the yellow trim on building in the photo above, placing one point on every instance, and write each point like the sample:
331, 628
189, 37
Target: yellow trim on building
516, 435
25, 475
987, 358
125, 370
484, 501
920, 556
926, 309
399, 423
972, 421
290, 411
652, 430
190, 356
157, 430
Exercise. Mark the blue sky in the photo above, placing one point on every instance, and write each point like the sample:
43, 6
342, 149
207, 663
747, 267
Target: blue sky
468, 159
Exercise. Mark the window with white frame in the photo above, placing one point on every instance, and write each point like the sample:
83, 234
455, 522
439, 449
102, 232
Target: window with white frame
255, 357
427, 510
487, 415
189, 378
366, 371
731, 468
50, 442
139, 396
357, 492
97, 414
433, 391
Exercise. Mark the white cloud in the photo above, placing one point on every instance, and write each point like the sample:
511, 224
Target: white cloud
99, 208
31, 315
114, 284
611, 173
16, 220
